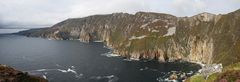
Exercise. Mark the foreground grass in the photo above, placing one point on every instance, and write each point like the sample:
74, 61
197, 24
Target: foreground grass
230, 73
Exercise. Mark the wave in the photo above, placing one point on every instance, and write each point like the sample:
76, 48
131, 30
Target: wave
44, 76
110, 54
68, 70
111, 78
131, 59
98, 41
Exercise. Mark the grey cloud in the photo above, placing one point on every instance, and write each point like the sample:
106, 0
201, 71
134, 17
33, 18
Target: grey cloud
49, 12
193, 7
187, 7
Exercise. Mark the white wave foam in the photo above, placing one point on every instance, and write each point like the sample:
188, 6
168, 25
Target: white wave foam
131, 59
98, 41
145, 68
165, 80
71, 70
136, 59
41, 70
168, 80
190, 73
110, 54
64, 71
111, 78
44, 76
68, 70
72, 67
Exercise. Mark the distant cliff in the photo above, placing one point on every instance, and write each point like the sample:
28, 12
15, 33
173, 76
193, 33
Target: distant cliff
8, 74
205, 37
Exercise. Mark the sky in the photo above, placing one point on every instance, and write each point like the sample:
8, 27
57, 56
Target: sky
39, 13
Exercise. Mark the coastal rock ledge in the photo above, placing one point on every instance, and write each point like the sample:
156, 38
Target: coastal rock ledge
9, 74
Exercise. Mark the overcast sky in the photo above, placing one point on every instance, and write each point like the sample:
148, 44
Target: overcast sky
49, 12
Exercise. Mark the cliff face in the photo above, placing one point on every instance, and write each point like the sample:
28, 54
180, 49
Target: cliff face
8, 74
205, 37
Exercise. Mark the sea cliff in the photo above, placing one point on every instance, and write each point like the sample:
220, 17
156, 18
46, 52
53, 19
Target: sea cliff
205, 37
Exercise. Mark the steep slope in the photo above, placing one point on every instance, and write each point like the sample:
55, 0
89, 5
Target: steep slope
205, 37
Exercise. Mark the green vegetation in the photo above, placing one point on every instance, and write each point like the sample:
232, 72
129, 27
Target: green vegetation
147, 43
196, 78
230, 73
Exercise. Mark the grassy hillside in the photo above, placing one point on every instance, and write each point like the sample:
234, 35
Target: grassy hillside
230, 73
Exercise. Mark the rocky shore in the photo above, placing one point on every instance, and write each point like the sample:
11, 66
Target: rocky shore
8, 74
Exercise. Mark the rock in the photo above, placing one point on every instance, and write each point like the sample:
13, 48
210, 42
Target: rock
183, 76
8, 74
210, 69
173, 76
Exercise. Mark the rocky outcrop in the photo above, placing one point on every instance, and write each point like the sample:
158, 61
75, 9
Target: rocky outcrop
8, 74
205, 37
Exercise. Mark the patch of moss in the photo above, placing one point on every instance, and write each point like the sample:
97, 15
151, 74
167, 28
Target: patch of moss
235, 66
196, 78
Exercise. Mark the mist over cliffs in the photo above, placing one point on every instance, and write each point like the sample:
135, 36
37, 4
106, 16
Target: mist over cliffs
206, 37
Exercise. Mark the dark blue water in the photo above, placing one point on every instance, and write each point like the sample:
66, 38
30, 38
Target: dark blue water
74, 61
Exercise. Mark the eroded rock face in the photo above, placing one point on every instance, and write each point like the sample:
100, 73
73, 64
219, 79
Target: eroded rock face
205, 37
8, 74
